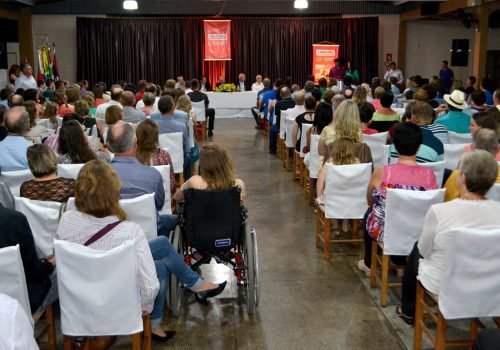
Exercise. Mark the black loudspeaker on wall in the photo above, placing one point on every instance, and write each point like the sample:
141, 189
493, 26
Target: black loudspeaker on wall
3, 55
460, 52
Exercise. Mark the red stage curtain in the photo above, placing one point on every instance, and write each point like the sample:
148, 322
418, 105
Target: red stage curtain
112, 49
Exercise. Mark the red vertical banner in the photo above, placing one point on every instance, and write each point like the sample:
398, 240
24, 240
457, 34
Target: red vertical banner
217, 40
323, 57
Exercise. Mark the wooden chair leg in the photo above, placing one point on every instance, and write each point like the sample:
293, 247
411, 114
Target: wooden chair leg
384, 280
67, 342
374, 265
181, 178
440, 332
136, 341
294, 166
301, 171
146, 320
474, 327
419, 317
326, 243
319, 215
51, 328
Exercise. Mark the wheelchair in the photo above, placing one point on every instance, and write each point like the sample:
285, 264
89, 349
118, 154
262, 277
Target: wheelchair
212, 224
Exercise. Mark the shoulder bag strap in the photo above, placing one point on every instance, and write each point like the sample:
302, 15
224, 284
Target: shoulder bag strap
101, 233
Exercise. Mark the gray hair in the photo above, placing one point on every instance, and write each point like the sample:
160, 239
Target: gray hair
17, 120
120, 137
309, 86
486, 139
480, 170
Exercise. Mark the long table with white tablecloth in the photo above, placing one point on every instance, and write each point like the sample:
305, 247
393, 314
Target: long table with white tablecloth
232, 104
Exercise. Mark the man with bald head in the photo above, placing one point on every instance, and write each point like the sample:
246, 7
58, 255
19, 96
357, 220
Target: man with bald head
13, 147
25, 80
130, 114
16, 101
137, 179
242, 83
285, 103
116, 94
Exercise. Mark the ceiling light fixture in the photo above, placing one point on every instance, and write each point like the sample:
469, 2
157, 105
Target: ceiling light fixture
301, 4
130, 5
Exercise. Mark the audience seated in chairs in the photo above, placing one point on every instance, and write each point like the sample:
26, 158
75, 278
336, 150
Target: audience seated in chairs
73, 145
455, 120
46, 186
477, 173
53, 140
13, 147
97, 194
196, 96
16, 230
285, 103
148, 151
216, 172
405, 174
385, 117
484, 139
37, 132
136, 178
484, 120
307, 117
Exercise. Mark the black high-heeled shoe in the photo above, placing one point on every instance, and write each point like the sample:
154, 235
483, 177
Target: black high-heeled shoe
202, 297
168, 335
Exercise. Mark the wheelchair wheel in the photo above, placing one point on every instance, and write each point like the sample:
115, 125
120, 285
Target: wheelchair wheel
251, 257
175, 289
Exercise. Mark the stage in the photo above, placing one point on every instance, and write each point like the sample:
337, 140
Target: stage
232, 104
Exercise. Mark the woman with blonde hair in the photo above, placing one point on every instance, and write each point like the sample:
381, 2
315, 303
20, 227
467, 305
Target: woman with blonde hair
216, 172
97, 195
183, 104
359, 96
148, 151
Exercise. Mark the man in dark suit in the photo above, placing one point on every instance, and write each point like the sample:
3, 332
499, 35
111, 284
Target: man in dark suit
285, 103
242, 83
204, 84
16, 230
221, 81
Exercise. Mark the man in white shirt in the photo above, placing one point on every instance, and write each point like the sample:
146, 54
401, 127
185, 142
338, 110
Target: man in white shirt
149, 88
16, 332
25, 80
181, 84
393, 71
116, 94
258, 85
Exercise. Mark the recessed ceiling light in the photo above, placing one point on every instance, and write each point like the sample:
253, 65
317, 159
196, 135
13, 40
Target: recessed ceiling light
301, 4
130, 5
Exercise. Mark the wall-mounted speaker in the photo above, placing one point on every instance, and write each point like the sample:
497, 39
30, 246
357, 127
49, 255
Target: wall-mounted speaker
460, 52
3, 56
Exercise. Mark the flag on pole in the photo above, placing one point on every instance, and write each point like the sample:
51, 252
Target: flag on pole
55, 68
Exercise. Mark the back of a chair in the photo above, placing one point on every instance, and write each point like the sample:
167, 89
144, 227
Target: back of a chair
59, 121
14, 179
438, 168
386, 156
405, 212
459, 138
98, 290
44, 122
284, 117
164, 171
314, 157
190, 126
452, 154
12, 276
376, 143
43, 217
345, 190
69, 171
199, 111
303, 137
212, 220
494, 193
288, 136
470, 286
173, 141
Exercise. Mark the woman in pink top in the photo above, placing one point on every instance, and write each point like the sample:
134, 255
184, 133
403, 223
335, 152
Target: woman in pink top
405, 174
484, 120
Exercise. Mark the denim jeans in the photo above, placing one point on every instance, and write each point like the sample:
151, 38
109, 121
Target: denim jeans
167, 261
273, 137
166, 224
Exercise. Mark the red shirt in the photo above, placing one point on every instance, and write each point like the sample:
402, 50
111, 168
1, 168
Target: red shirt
369, 131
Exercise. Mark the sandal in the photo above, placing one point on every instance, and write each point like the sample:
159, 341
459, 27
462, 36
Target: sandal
408, 320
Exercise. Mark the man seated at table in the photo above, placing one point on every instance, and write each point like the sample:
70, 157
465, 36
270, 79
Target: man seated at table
258, 85
197, 96
221, 82
242, 83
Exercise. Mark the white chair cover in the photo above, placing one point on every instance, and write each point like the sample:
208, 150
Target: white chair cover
386, 155
314, 157
376, 142
288, 136
199, 111
98, 290
471, 283
438, 168
69, 171
190, 126
14, 179
44, 122
402, 228
345, 190
459, 138
165, 175
43, 217
173, 141
284, 117
13, 279
59, 121
452, 154
494, 193
303, 137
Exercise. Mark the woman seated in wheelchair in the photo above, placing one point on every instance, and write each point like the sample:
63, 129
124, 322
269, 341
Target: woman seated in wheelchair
216, 172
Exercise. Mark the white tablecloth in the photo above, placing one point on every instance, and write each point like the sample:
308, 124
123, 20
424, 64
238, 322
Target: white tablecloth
232, 104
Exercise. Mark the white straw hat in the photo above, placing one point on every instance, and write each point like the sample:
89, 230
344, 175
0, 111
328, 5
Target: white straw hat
456, 99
